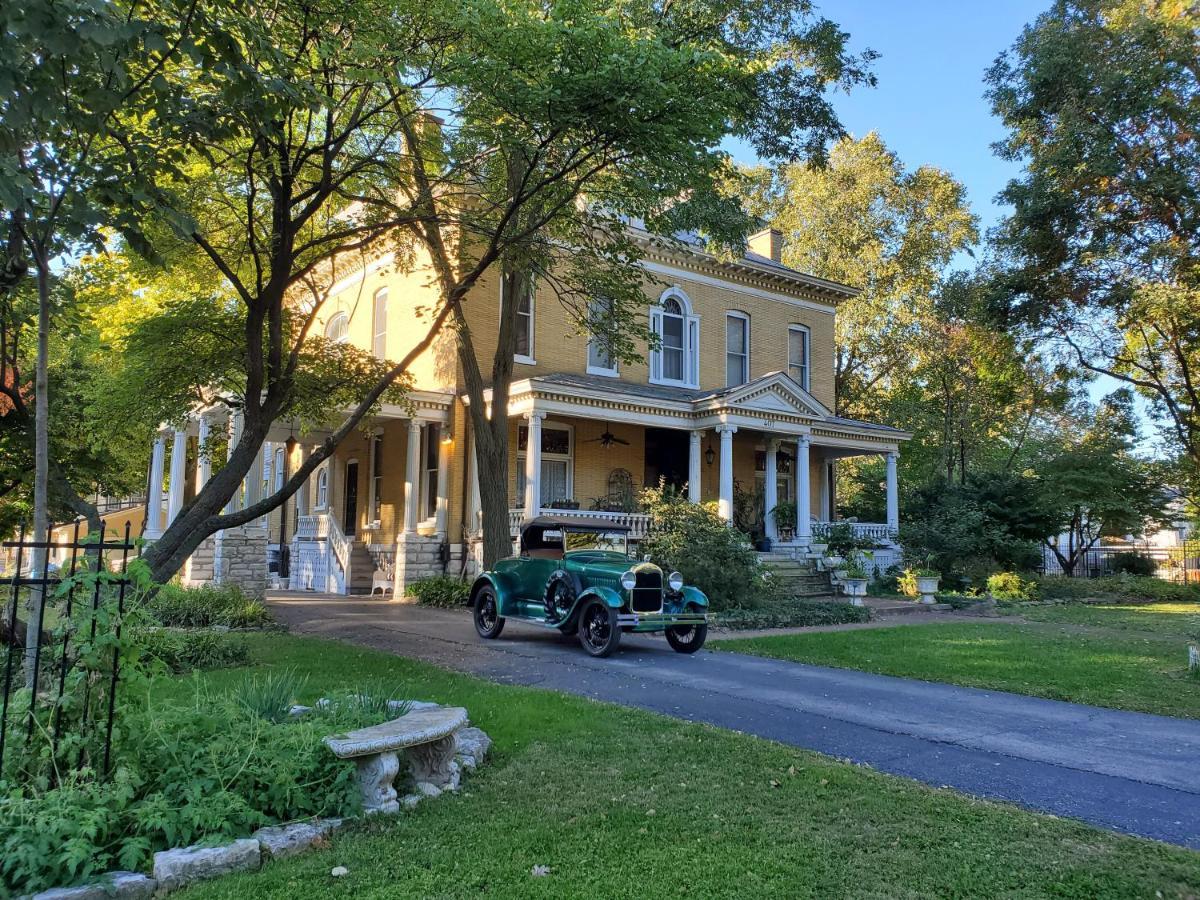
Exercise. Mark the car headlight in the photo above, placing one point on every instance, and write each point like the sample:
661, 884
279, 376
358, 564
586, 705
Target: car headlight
628, 580
675, 580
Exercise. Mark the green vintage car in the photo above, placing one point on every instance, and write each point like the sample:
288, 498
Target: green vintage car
576, 575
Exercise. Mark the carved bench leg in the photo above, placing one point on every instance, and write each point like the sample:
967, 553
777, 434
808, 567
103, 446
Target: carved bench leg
434, 764
375, 776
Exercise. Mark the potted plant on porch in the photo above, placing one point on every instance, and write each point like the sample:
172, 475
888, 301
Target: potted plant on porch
785, 520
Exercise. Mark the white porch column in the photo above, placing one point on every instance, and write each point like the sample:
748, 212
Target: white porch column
533, 465
893, 493
412, 477
443, 484
826, 514
771, 490
235, 435
254, 478
154, 510
695, 439
203, 455
803, 493
725, 496
473, 501
175, 488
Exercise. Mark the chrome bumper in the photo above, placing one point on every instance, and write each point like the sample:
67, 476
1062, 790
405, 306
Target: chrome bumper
651, 621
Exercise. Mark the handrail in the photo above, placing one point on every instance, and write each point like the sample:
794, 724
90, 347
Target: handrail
340, 549
637, 523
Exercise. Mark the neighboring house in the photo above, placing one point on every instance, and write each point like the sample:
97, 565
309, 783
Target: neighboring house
740, 393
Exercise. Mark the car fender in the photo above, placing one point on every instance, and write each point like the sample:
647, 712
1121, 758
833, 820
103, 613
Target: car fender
502, 585
606, 595
693, 596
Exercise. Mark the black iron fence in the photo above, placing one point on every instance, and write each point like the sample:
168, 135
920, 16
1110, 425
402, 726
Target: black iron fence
61, 657
1180, 563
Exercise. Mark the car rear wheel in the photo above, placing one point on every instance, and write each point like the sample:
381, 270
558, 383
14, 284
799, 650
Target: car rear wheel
687, 638
598, 630
488, 622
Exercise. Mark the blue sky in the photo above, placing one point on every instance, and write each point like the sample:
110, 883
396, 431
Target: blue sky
929, 105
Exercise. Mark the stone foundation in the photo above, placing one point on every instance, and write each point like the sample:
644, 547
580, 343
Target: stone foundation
240, 557
199, 566
417, 557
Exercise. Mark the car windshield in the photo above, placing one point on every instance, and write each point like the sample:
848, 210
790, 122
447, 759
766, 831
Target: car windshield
613, 541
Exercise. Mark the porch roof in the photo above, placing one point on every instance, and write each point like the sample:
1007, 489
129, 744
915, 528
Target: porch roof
772, 403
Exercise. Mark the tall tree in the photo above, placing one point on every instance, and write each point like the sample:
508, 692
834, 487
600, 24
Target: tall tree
866, 221
1102, 102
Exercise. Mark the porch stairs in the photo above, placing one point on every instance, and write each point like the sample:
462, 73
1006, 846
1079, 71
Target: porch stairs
362, 568
799, 577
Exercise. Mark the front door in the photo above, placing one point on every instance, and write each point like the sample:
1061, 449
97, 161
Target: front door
666, 457
350, 511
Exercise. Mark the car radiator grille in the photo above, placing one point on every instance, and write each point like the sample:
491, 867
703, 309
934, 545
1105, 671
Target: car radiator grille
647, 592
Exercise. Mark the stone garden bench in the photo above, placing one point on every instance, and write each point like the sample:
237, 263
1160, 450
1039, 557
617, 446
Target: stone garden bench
425, 736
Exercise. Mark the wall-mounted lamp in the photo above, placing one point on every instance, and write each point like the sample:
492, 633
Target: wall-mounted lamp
709, 455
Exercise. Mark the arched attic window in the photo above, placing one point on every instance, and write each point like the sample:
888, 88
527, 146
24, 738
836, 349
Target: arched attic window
337, 329
677, 359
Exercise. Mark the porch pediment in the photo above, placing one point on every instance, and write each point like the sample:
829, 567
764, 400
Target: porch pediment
774, 392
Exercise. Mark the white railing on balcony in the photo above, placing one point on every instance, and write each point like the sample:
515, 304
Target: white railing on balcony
875, 531
637, 523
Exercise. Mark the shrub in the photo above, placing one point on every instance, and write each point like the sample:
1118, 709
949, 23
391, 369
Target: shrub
207, 770
444, 591
182, 651
1117, 588
208, 605
693, 539
1128, 562
793, 613
1011, 586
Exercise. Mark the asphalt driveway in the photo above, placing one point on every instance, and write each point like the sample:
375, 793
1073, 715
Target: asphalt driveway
1130, 772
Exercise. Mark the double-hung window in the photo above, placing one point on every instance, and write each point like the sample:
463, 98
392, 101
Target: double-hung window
737, 348
676, 360
429, 469
523, 320
376, 477
600, 359
798, 354
379, 342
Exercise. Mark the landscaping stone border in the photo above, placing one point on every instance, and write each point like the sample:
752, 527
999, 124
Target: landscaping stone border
181, 866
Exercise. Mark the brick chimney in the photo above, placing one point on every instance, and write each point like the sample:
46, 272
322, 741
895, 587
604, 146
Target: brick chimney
768, 243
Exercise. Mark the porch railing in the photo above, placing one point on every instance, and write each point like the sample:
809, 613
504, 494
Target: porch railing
637, 523
874, 531
320, 556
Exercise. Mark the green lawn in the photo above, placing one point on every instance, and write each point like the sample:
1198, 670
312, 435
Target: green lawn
1123, 657
623, 803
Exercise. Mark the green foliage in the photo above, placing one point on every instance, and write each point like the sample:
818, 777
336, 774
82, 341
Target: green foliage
1133, 563
1011, 586
207, 605
443, 591
792, 613
269, 696
693, 539
211, 769
843, 541
182, 651
1118, 588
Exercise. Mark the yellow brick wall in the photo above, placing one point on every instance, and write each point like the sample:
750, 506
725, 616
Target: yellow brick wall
558, 348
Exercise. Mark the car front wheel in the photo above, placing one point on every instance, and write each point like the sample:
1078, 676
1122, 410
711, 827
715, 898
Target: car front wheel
687, 638
488, 622
598, 630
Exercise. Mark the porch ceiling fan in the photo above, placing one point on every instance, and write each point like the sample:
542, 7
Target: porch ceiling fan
607, 439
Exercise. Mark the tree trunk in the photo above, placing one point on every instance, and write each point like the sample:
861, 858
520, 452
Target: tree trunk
41, 465
492, 461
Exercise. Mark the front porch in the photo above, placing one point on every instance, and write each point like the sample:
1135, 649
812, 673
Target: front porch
590, 445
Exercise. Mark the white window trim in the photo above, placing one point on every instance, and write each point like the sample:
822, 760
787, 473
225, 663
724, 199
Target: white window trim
378, 334
321, 501
609, 372
280, 459
345, 336
569, 456
525, 358
424, 474
807, 332
738, 314
691, 340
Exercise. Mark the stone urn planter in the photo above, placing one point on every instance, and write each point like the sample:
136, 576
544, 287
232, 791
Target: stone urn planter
818, 548
927, 586
856, 589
